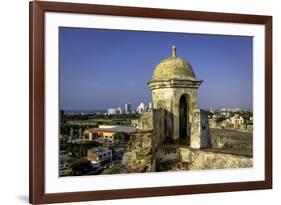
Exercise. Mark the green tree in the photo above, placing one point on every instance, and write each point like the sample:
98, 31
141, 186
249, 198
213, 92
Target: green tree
220, 119
79, 166
120, 137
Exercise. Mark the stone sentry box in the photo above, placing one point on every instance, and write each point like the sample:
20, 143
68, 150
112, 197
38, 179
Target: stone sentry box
176, 116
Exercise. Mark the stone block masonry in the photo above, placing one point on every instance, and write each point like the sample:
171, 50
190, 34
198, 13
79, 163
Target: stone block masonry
200, 131
204, 159
174, 89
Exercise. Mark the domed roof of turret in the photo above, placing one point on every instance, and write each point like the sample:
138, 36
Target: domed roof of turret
173, 67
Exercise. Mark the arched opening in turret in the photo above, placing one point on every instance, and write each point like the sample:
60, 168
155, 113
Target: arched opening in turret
184, 120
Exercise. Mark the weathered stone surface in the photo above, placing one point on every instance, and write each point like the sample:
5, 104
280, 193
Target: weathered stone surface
129, 158
223, 138
174, 90
145, 121
202, 159
161, 134
173, 68
168, 153
232, 141
168, 159
138, 156
200, 131
168, 99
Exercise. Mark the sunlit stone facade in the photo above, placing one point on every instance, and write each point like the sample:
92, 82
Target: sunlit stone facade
174, 90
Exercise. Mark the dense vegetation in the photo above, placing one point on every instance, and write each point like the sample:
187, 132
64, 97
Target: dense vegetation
99, 116
116, 169
78, 150
79, 166
65, 128
77, 124
121, 137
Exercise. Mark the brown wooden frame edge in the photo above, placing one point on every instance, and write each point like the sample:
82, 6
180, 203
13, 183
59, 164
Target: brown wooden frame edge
36, 104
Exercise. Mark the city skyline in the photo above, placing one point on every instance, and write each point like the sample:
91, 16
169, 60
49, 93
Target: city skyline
105, 68
134, 108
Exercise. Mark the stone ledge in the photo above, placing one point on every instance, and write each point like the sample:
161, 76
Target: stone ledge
206, 159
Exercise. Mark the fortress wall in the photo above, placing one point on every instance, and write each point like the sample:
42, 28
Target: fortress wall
200, 131
145, 121
203, 159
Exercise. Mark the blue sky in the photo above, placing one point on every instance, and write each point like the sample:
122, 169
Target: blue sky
108, 68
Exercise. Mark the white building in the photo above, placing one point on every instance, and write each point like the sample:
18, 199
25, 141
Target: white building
119, 110
99, 154
111, 111
114, 111
141, 108
237, 120
149, 105
128, 108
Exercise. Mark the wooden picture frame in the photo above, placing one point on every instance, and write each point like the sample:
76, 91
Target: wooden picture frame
37, 11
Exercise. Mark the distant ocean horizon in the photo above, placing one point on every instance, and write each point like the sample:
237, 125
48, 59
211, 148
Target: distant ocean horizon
71, 112
66, 112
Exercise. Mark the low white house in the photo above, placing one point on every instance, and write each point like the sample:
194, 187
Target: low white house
106, 132
237, 120
99, 154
